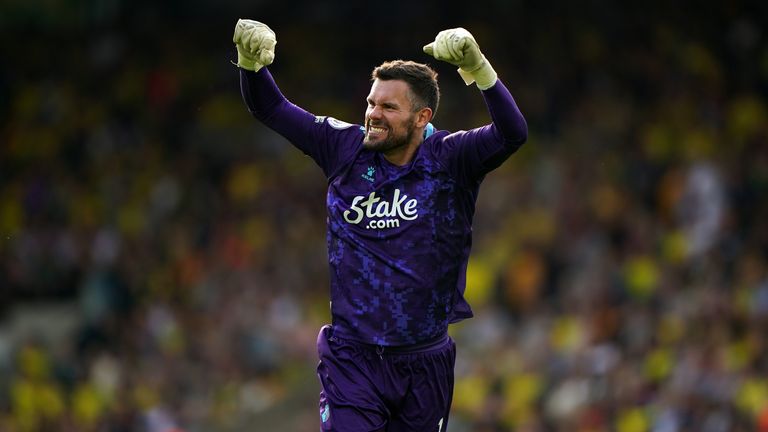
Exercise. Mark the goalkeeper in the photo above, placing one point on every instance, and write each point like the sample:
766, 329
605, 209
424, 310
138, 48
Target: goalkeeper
400, 202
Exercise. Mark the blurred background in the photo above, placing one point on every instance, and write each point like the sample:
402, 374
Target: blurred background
162, 255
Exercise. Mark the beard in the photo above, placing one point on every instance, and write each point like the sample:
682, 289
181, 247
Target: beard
393, 140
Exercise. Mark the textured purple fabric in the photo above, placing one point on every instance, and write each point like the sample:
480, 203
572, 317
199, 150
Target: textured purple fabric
399, 237
369, 389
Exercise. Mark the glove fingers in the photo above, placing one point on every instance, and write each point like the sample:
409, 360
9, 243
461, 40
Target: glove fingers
238, 36
254, 42
472, 56
267, 52
266, 57
444, 51
458, 47
438, 46
242, 29
439, 49
266, 48
443, 48
455, 45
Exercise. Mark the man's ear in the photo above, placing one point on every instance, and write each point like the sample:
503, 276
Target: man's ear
423, 117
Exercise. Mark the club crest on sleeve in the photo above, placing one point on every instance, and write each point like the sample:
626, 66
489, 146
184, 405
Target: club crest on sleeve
338, 124
332, 122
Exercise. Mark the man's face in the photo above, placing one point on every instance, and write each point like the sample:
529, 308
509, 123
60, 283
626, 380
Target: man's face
390, 122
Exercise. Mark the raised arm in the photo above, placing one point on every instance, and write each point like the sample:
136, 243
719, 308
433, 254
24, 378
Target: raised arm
508, 123
315, 136
255, 43
474, 153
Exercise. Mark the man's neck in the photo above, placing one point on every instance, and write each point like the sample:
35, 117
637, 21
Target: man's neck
403, 155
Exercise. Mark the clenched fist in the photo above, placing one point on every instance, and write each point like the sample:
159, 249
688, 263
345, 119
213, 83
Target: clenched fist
458, 47
255, 44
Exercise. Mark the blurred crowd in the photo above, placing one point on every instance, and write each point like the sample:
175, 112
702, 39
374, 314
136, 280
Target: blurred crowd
619, 274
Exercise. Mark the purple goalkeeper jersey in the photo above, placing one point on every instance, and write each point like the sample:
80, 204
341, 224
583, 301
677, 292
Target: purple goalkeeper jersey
399, 237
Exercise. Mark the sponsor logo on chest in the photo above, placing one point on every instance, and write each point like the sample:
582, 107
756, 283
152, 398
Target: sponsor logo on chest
380, 212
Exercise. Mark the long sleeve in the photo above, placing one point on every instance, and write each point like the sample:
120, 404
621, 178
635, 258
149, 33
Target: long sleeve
328, 141
265, 102
469, 155
508, 122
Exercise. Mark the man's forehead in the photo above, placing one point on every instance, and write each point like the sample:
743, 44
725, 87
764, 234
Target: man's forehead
390, 89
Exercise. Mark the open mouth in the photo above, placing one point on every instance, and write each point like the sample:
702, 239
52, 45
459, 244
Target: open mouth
376, 130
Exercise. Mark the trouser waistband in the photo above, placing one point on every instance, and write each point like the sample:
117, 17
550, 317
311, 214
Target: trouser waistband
423, 346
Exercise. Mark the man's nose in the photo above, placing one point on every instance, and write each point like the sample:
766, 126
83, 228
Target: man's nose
375, 112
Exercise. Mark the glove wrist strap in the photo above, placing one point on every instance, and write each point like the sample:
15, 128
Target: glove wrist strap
249, 64
484, 76
466, 76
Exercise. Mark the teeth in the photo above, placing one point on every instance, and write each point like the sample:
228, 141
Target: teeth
376, 129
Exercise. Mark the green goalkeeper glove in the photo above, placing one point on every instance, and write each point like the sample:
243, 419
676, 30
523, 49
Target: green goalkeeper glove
255, 44
458, 47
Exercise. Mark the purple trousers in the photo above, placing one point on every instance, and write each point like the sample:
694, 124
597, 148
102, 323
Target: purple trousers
368, 388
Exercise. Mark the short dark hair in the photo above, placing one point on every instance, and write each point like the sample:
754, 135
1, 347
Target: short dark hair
421, 79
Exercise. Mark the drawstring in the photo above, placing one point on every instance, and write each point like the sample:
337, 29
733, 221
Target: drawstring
380, 351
